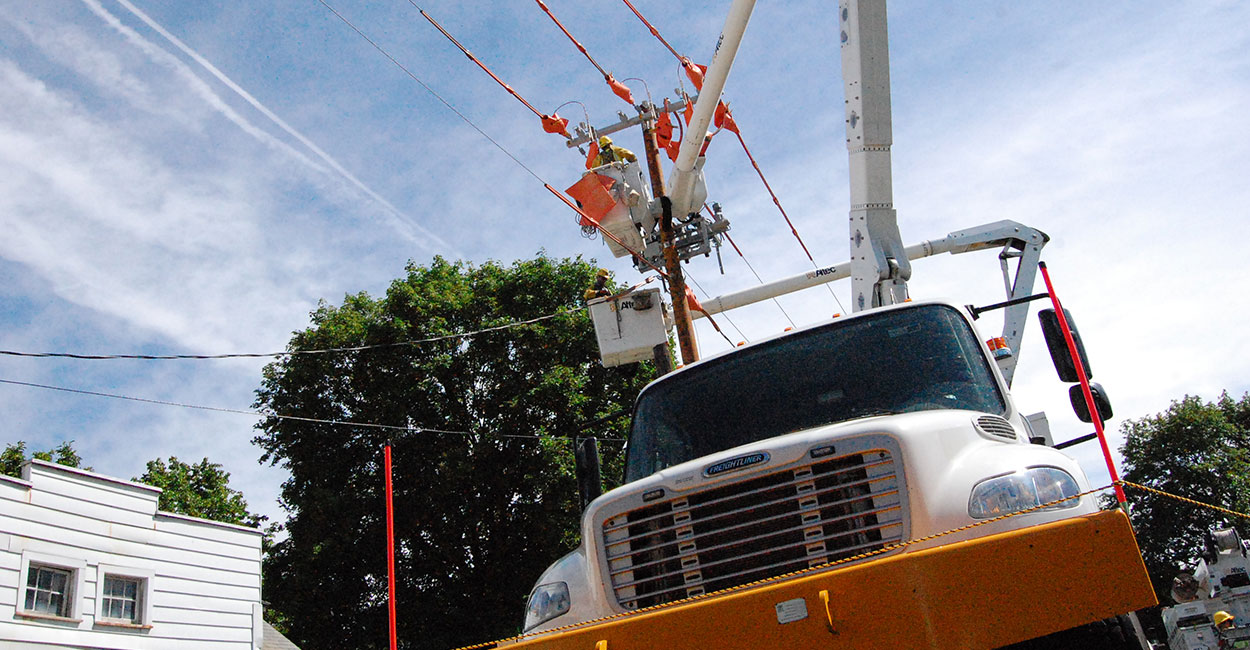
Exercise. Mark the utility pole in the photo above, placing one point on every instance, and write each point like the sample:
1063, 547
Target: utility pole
672, 263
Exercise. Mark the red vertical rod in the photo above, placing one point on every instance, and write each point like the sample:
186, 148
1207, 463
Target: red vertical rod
390, 549
1089, 396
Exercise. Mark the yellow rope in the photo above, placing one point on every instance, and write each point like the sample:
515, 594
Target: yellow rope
847, 560
1186, 500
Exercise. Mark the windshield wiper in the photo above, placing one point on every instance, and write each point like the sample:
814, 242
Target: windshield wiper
873, 412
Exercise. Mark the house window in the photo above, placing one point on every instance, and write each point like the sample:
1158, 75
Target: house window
122, 599
49, 590
51, 587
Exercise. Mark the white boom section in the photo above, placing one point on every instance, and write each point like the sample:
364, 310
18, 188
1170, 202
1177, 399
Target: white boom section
879, 267
1016, 239
682, 183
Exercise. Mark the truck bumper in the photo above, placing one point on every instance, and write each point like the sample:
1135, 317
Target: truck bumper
982, 593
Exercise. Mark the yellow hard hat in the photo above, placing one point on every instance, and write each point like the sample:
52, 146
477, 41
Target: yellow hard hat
605, 141
1221, 617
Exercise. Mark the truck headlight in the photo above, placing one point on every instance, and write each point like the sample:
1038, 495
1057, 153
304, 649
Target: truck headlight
546, 602
1003, 495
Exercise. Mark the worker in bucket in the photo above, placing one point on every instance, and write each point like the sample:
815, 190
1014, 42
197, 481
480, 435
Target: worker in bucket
600, 288
610, 153
1223, 625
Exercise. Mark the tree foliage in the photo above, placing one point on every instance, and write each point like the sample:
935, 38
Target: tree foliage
1199, 450
200, 490
479, 514
14, 456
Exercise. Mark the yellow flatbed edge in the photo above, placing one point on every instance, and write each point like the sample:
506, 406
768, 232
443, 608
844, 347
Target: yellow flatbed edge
982, 593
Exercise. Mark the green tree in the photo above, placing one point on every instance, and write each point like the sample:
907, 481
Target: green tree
1199, 450
200, 490
479, 513
14, 456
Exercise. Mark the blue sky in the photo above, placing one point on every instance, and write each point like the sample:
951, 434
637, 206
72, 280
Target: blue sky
149, 205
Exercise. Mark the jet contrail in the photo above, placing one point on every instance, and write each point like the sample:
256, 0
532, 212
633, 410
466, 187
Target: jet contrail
407, 225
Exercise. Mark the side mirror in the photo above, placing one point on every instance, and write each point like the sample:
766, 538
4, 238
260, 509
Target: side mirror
1059, 347
1101, 402
589, 479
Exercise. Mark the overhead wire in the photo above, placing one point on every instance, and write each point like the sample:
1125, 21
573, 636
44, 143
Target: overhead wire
732, 126
430, 90
470, 122
685, 62
411, 75
255, 355
551, 123
345, 423
709, 316
748, 263
573, 206
619, 89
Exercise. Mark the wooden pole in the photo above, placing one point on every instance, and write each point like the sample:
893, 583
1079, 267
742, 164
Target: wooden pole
672, 263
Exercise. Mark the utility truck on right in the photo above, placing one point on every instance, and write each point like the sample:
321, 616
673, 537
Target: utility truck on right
1218, 587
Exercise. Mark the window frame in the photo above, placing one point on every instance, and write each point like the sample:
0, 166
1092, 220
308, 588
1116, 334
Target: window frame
73, 586
143, 595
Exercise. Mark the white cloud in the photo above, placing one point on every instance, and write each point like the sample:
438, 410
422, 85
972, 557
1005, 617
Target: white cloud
153, 198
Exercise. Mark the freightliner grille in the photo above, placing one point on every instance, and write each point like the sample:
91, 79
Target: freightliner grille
755, 529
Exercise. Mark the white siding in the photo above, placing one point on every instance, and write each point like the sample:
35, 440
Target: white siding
204, 576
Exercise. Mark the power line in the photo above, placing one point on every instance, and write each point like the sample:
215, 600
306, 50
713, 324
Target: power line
760, 280
737, 250
430, 90
462, 116
729, 122
465, 118
619, 89
344, 423
551, 123
254, 355
709, 317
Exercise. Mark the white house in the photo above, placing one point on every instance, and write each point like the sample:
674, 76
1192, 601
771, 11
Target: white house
87, 561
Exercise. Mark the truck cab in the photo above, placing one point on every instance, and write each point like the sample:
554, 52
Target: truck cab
819, 445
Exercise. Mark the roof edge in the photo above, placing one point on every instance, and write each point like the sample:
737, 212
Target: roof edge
5, 478
161, 514
46, 465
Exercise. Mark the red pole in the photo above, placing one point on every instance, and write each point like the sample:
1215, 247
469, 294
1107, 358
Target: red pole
1089, 396
390, 549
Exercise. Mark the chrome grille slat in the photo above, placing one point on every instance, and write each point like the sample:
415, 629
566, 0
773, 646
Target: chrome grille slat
634, 567
752, 523
739, 495
739, 511
756, 528
704, 565
891, 540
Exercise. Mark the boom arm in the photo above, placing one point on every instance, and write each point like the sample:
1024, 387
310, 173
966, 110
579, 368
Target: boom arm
1017, 241
682, 183
879, 266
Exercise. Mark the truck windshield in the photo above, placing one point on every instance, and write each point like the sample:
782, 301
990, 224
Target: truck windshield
912, 359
